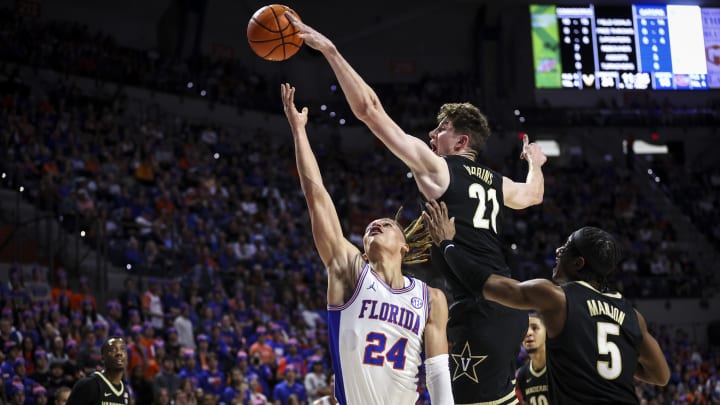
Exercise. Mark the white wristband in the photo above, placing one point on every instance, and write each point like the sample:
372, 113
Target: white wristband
437, 379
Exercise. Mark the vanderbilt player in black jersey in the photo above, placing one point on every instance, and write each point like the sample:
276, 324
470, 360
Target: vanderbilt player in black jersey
485, 337
532, 383
597, 342
105, 387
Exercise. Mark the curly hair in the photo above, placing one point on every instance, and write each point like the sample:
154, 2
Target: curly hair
467, 119
417, 236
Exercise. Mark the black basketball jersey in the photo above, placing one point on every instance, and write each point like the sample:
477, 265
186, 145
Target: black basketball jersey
593, 359
95, 389
475, 198
533, 385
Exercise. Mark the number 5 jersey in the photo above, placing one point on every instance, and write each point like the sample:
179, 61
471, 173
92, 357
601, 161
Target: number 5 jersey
596, 354
376, 341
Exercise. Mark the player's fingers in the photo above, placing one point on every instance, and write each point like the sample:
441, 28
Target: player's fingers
290, 16
443, 209
428, 209
526, 140
432, 212
435, 207
304, 110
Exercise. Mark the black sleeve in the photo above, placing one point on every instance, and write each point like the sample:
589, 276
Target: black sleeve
473, 275
85, 392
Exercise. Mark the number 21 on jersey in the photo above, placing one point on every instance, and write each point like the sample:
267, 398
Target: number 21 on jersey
477, 191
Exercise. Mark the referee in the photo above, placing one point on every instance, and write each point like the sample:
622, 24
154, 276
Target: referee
105, 387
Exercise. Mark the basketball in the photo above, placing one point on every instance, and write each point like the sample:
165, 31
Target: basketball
270, 34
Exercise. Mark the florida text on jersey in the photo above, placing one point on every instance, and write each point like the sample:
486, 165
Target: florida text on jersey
376, 341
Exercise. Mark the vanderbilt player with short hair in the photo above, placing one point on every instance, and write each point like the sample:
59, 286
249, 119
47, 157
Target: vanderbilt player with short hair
597, 343
532, 385
105, 387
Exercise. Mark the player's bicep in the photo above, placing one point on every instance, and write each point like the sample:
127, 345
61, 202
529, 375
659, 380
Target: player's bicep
512, 194
436, 342
519, 196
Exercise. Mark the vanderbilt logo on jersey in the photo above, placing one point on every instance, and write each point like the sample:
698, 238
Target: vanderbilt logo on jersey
465, 364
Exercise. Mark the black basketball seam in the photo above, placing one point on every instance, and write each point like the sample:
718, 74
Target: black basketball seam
273, 50
282, 36
255, 20
275, 32
260, 41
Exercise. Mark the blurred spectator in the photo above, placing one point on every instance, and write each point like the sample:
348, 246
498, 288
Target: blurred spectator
256, 397
167, 377
152, 304
261, 348
61, 395
288, 388
316, 384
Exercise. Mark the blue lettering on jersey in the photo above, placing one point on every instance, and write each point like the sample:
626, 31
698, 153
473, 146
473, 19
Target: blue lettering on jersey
391, 313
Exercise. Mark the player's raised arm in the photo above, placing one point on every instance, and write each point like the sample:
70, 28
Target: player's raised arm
541, 295
337, 253
522, 195
366, 106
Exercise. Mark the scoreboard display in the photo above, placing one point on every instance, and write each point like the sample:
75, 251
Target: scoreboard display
634, 47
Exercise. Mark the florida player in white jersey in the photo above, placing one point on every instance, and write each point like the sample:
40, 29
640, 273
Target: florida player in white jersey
380, 320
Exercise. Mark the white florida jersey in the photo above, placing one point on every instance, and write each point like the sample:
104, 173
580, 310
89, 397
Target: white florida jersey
376, 341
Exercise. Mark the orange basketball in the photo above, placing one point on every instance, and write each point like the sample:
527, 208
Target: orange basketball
270, 34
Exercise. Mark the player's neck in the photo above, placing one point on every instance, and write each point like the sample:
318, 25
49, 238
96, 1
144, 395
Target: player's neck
538, 360
114, 377
389, 272
468, 154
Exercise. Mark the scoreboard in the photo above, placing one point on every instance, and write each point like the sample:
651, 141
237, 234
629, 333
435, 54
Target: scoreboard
634, 47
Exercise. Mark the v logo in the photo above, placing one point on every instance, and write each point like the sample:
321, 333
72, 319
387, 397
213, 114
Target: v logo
468, 362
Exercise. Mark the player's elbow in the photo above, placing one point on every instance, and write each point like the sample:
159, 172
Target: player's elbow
532, 197
659, 379
369, 109
663, 376
658, 375
537, 198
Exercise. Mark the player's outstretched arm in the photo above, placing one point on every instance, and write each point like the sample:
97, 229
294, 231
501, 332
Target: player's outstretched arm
652, 366
522, 195
337, 253
366, 106
437, 365
539, 294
